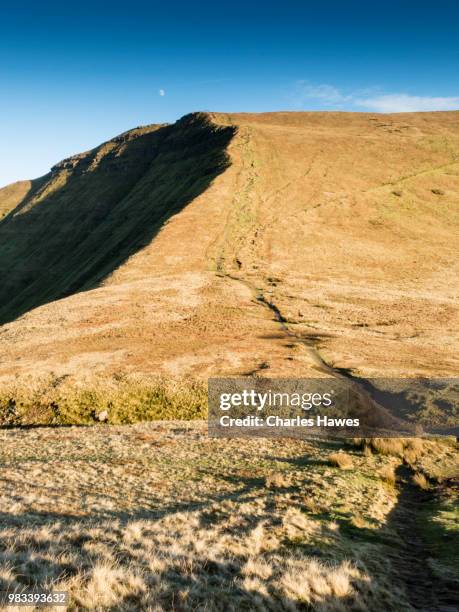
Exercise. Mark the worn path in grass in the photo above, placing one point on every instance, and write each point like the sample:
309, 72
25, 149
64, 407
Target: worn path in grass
411, 558
410, 555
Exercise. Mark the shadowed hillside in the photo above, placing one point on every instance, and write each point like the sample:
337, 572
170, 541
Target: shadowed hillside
77, 224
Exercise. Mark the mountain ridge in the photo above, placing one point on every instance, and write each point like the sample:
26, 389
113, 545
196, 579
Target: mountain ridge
97, 190
345, 222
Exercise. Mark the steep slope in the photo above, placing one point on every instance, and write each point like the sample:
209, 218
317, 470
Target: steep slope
95, 209
343, 223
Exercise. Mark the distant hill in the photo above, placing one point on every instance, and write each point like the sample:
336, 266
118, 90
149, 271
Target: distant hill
239, 243
14, 194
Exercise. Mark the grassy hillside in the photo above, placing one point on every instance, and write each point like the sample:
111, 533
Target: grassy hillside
282, 244
96, 209
171, 243
12, 195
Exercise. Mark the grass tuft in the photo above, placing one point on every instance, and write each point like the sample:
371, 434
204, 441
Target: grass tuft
276, 480
421, 481
341, 460
387, 474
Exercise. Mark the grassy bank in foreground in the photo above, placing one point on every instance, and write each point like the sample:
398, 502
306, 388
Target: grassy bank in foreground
55, 401
158, 516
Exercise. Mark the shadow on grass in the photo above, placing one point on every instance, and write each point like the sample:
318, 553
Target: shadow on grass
214, 584
400, 542
94, 211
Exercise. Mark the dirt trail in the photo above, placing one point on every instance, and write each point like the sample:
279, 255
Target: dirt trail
410, 558
311, 349
387, 420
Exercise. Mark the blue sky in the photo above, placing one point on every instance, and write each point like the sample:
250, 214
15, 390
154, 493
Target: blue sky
73, 74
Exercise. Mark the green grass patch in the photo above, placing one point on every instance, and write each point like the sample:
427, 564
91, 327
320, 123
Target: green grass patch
48, 402
440, 521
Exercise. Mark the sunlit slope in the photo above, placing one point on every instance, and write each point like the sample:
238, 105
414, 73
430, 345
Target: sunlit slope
14, 194
346, 223
350, 223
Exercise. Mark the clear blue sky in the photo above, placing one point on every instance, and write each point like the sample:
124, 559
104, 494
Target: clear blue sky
73, 74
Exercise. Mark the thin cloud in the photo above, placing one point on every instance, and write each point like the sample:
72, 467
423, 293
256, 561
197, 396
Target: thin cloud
327, 93
162, 92
400, 103
369, 99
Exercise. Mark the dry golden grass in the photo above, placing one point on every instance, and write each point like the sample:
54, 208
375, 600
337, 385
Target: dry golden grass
302, 189
387, 474
159, 516
387, 446
411, 450
421, 481
276, 480
341, 460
